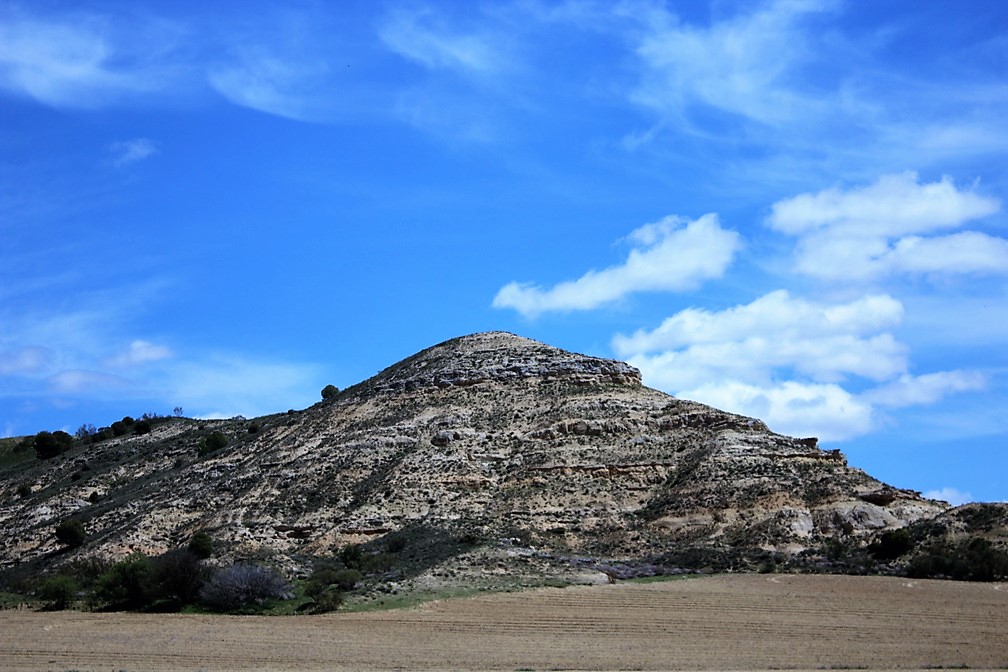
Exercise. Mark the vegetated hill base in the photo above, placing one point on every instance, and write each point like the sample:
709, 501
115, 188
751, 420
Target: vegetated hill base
720, 622
486, 461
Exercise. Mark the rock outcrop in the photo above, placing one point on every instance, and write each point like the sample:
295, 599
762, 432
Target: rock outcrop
493, 437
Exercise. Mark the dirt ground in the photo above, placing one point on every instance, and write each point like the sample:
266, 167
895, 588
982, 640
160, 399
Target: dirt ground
720, 622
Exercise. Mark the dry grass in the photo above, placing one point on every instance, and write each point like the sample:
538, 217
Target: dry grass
723, 622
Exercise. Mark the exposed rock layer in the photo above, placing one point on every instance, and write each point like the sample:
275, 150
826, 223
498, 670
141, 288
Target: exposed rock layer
491, 435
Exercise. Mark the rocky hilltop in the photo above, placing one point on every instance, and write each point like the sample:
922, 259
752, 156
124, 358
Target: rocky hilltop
491, 454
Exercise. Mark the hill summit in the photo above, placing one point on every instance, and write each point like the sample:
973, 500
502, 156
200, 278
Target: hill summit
489, 454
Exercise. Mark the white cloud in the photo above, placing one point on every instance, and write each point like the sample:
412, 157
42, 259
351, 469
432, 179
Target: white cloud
89, 383
951, 495
680, 255
140, 352
743, 65
80, 60
798, 409
926, 389
422, 37
883, 229
131, 151
826, 342
262, 81
894, 206
787, 361
26, 360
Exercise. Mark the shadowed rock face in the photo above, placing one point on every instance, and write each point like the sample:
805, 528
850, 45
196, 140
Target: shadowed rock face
492, 436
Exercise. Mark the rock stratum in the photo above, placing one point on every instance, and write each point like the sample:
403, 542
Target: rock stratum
491, 454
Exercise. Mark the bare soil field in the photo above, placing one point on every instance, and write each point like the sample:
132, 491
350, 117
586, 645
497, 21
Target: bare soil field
718, 622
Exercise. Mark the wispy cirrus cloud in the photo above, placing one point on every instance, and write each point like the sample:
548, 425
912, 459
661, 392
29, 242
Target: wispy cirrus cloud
424, 36
125, 152
78, 59
745, 64
671, 255
894, 225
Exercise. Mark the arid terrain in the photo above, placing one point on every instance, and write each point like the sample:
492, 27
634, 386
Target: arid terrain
717, 622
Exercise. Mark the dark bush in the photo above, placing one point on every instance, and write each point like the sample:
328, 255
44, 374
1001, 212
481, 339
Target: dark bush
24, 490
118, 428
212, 443
104, 434
201, 545
329, 391
142, 427
49, 445
351, 555
177, 577
395, 543
242, 586
129, 583
892, 544
58, 592
974, 559
71, 532
254, 428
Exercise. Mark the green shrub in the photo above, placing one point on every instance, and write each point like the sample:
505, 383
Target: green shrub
212, 443
201, 545
24, 490
892, 544
58, 592
329, 391
71, 532
51, 444
351, 555
973, 559
128, 584
142, 427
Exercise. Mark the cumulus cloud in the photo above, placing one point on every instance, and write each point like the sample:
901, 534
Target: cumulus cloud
131, 151
789, 360
890, 226
828, 412
951, 495
671, 255
826, 342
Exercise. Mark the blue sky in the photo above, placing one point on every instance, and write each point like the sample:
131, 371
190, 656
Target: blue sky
793, 210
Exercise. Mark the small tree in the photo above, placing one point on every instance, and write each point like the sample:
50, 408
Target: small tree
329, 391
243, 585
59, 592
71, 532
51, 444
201, 545
142, 427
177, 576
212, 443
128, 584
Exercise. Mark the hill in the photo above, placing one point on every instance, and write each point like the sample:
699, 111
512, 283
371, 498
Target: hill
489, 459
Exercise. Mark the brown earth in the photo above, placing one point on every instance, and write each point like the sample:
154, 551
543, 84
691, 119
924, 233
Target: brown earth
719, 622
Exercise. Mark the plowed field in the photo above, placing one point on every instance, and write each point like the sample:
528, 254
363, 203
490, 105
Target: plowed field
723, 622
